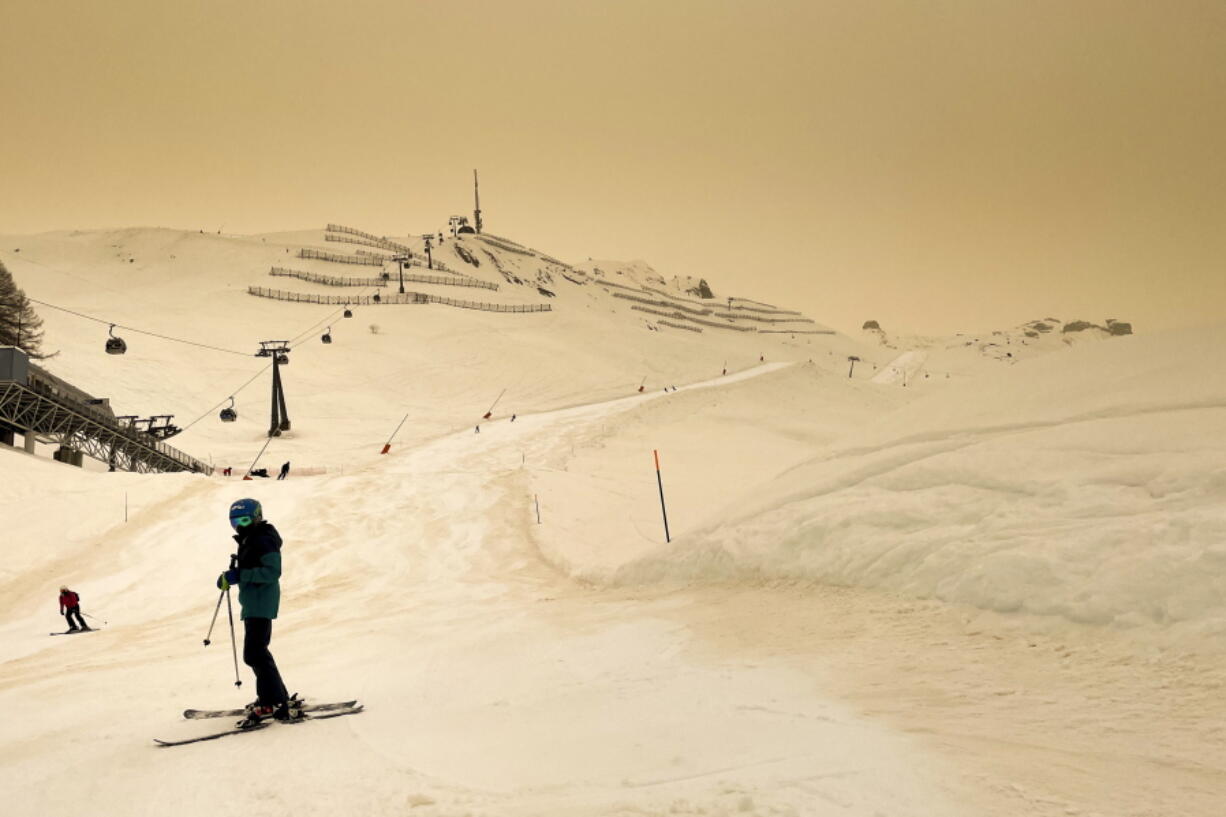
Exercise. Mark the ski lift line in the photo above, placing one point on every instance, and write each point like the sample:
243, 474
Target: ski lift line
301, 337
224, 399
139, 331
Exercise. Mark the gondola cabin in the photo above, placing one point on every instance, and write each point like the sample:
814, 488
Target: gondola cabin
114, 345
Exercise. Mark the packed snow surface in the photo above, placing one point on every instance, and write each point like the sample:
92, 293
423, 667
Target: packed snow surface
957, 582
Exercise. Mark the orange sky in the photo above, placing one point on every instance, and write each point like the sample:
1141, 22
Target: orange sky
932, 165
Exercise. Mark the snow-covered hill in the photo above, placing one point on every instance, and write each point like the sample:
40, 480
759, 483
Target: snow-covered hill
835, 624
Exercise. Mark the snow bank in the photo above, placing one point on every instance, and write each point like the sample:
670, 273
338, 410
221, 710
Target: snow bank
1089, 485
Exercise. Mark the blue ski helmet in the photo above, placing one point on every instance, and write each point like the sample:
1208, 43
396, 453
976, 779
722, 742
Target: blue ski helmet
244, 512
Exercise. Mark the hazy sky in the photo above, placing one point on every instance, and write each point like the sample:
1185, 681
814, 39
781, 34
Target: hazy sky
931, 165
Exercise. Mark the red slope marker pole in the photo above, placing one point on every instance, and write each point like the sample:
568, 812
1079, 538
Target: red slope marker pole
660, 482
387, 446
486, 416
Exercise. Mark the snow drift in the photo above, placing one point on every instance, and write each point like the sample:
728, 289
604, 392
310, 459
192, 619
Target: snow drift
1088, 485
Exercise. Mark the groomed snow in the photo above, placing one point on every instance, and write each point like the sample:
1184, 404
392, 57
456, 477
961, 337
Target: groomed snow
995, 593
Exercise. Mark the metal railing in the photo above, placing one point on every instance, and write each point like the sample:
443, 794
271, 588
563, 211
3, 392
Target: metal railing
604, 282
329, 280
371, 239
656, 302
392, 298
54, 411
761, 319
503, 245
366, 260
337, 300
663, 322
681, 316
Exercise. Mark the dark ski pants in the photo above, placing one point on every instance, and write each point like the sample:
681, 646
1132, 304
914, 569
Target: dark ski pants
75, 610
269, 689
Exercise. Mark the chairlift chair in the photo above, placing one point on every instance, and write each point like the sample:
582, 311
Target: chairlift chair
114, 345
348, 312
282, 359
327, 336
376, 299
228, 414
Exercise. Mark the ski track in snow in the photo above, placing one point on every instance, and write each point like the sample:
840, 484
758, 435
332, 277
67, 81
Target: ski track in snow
422, 566
497, 684
420, 592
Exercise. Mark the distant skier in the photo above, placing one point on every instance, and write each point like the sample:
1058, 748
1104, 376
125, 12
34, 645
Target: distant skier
70, 606
284, 471
256, 569
513, 418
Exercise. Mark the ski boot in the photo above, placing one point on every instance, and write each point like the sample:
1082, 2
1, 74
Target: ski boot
255, 713
291, 710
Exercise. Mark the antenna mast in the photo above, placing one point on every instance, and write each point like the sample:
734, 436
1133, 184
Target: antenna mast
476, 202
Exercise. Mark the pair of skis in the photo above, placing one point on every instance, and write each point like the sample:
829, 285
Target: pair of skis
74, 632
310, 711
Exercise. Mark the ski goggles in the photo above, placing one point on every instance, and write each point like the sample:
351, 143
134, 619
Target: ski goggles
241, 521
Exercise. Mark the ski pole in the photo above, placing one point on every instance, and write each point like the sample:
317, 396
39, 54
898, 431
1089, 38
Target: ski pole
87, 615
233, 644
216, 610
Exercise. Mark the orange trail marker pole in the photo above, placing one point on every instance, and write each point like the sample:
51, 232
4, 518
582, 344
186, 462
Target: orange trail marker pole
660, 482
251, 467
486, 416
387, 446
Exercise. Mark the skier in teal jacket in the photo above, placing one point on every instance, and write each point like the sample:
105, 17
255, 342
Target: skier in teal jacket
256, 569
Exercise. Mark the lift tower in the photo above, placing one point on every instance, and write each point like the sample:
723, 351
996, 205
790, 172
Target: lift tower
278, 350
476, 203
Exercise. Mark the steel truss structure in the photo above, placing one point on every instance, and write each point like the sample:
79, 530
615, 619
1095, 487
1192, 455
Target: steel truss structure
58, 419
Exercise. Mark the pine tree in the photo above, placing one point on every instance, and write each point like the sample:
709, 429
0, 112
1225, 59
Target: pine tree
20, 325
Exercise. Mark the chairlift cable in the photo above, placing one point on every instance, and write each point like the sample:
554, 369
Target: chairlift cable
224, 399
139, 331
301, 337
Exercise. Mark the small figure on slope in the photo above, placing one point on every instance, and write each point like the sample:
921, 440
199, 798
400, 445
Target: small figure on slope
70, 606
257, 572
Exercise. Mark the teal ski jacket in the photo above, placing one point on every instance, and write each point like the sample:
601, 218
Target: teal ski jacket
259, 570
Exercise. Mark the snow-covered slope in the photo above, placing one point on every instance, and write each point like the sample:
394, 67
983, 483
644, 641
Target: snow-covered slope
1088, 485
517, 664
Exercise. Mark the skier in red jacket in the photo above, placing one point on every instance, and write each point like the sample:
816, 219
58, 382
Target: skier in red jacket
70, 605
